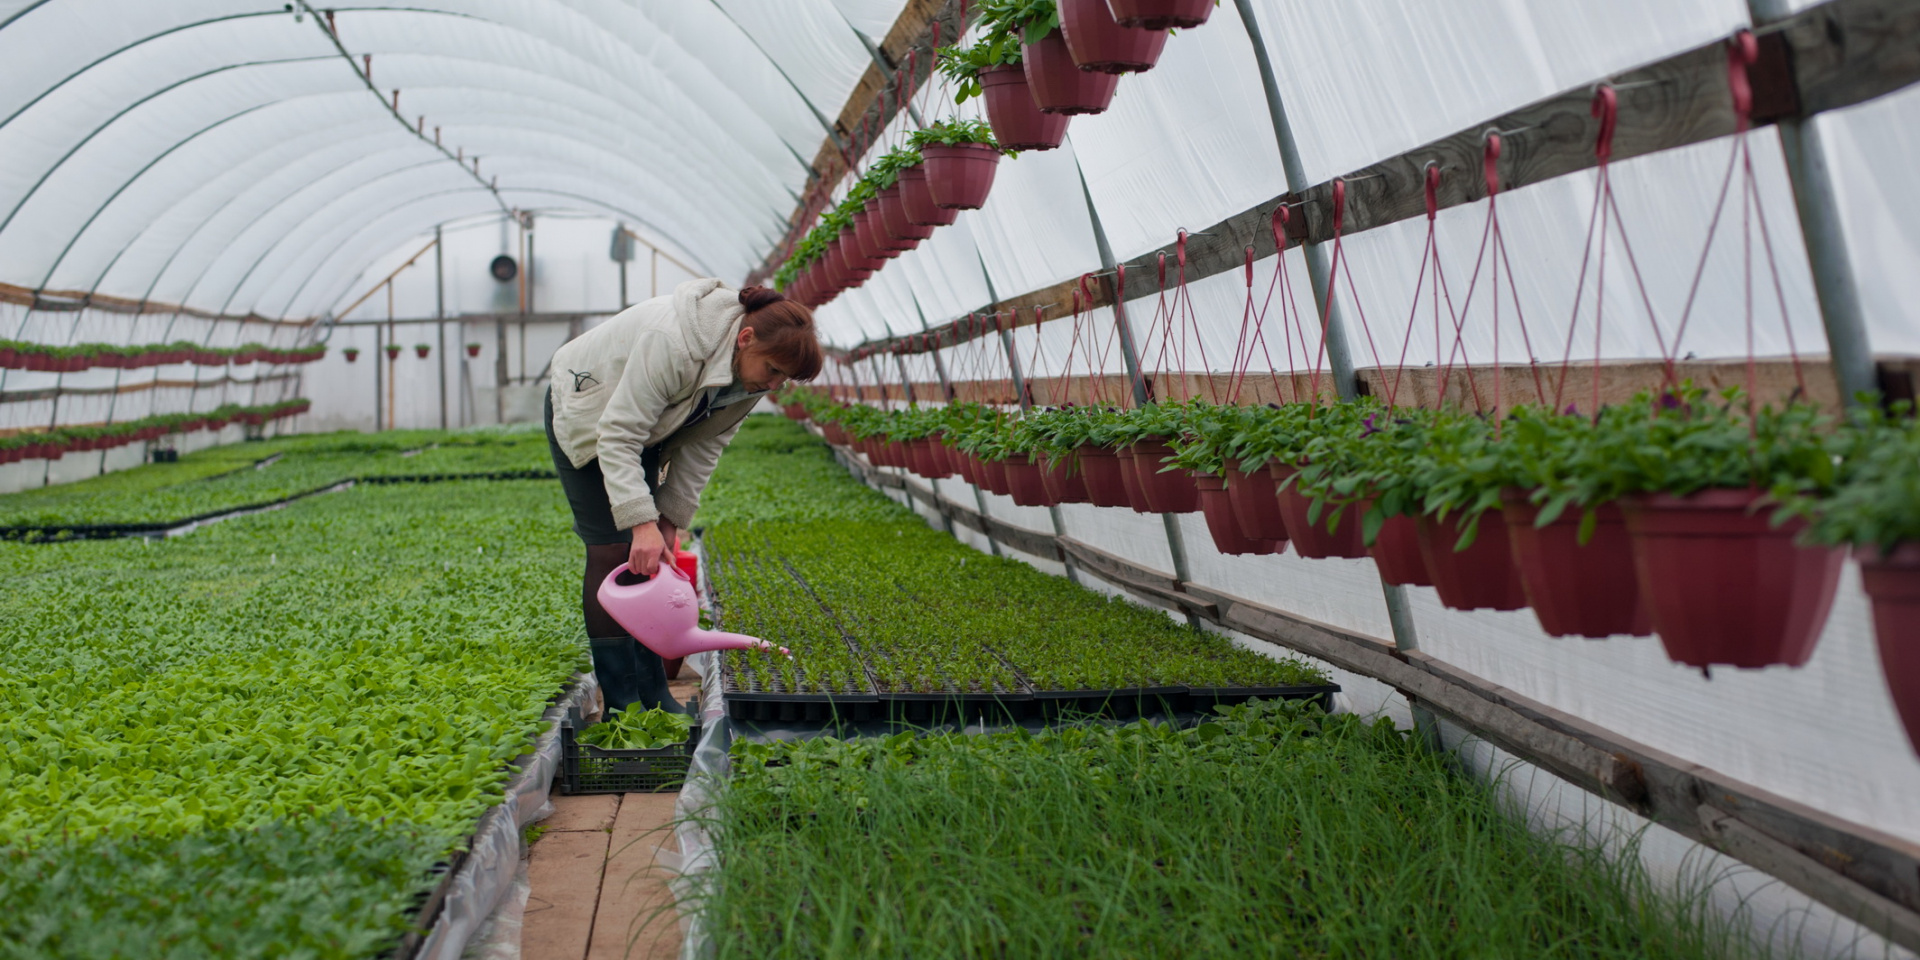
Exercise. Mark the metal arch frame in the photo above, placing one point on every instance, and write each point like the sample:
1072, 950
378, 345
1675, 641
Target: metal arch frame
297, 226
351, 230
347, 284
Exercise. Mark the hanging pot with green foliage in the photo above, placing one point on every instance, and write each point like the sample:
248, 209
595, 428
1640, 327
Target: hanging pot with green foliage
1101, 44
1161, 14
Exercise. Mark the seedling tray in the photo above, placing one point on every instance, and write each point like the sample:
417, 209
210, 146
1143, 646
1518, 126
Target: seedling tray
1203, 699
751, 704
585, 768
955, 707
1123, 703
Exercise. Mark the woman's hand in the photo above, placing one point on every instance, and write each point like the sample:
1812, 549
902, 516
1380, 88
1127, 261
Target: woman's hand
649, 548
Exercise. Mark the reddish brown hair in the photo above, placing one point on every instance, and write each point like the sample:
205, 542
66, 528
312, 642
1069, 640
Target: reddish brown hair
782, 332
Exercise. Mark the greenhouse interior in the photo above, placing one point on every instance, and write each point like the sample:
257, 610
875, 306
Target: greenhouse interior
959, 478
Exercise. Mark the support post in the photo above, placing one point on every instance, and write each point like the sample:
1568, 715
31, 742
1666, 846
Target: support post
440, 318
379, 378
1170, 522
1844, 320
500, 371
1319, 266
1339, 358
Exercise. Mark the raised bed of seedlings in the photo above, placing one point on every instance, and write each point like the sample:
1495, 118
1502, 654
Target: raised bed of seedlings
887, 618
227, 479
1273, 830
258, 740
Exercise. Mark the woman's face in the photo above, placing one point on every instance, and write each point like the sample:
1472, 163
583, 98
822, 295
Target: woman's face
755, 370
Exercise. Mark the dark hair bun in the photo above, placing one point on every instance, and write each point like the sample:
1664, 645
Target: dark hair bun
756, 298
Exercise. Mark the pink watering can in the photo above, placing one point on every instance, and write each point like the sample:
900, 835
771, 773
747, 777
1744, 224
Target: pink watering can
663, 614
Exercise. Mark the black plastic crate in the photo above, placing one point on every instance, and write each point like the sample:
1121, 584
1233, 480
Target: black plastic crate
585, 768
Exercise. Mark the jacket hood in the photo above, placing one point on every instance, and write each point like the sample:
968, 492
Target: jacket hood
709, 311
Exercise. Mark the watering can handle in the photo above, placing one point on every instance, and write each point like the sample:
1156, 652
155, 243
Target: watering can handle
613, 584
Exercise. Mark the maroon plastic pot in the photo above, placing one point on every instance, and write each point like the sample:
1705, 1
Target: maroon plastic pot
853, 256
836, 434
1058, 84
1014, 113
1483, 576
1160, 14
1725, 586
1130, 479
1577, 590
1024, 482
1064, 483
916, 200
1313, 540
994, 472
422, 352
960, 176
866, 229
929, 461
1255, 503
969, 467
1217, 506
893, 216
1103, 475
1395, 549
1099, 43
1167, 490
1892, 581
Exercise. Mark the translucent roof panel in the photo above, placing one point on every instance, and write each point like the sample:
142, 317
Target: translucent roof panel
248, 157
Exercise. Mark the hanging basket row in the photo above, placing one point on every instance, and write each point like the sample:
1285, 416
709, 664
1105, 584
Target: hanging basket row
60, 441
20, 355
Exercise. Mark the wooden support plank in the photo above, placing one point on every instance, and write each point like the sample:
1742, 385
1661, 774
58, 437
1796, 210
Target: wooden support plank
1830, 56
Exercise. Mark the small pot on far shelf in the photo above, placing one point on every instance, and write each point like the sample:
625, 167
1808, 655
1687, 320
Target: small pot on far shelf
393, 351
1101, 44
353, 353
1892, 582
1217, 507
1723, 585
1102, 473
1014, 113
1058, 85
1160, 14
1576, 589
1483, 576
421, 350
1311, 539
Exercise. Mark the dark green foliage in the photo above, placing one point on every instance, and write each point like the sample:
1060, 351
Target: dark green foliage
320, 888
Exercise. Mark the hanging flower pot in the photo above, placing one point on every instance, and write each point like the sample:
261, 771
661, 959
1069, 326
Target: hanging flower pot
1255, 503
1483, 576
1160, 14
1099, 43
1103, 474
995, 474
8, 357
1576, 589
1024, 482
1395, 549
1892, 582
393, 351
960, 176
1223, 525
473, 349
1166, 491
916, 200
794, 412
893, 216
1058, 84
1313, 540
860, 264
1130, 478
836, 434
421, 350
865, 232
353, 353
1013, 111
1064, 483
931, 454
968, 465
1725, 586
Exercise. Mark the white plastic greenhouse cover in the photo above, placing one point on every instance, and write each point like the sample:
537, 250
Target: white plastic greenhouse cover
226, 155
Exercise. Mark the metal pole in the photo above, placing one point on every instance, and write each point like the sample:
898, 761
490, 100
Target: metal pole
440, 317
379, 379
1848, 346
1339, 360
392, 338
1176, 540
654, 289
1339, 355
500, 371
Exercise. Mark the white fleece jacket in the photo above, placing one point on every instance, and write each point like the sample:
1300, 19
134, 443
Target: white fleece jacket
631, 383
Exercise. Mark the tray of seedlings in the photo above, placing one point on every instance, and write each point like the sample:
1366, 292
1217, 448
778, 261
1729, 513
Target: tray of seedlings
823, 681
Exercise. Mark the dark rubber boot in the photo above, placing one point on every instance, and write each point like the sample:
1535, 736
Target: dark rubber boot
653, 682
617, 669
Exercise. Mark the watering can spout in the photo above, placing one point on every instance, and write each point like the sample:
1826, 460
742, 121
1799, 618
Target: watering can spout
664, 615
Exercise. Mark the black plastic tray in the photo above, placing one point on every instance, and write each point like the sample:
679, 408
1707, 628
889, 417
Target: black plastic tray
585, 768
952, 707
1204, 699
